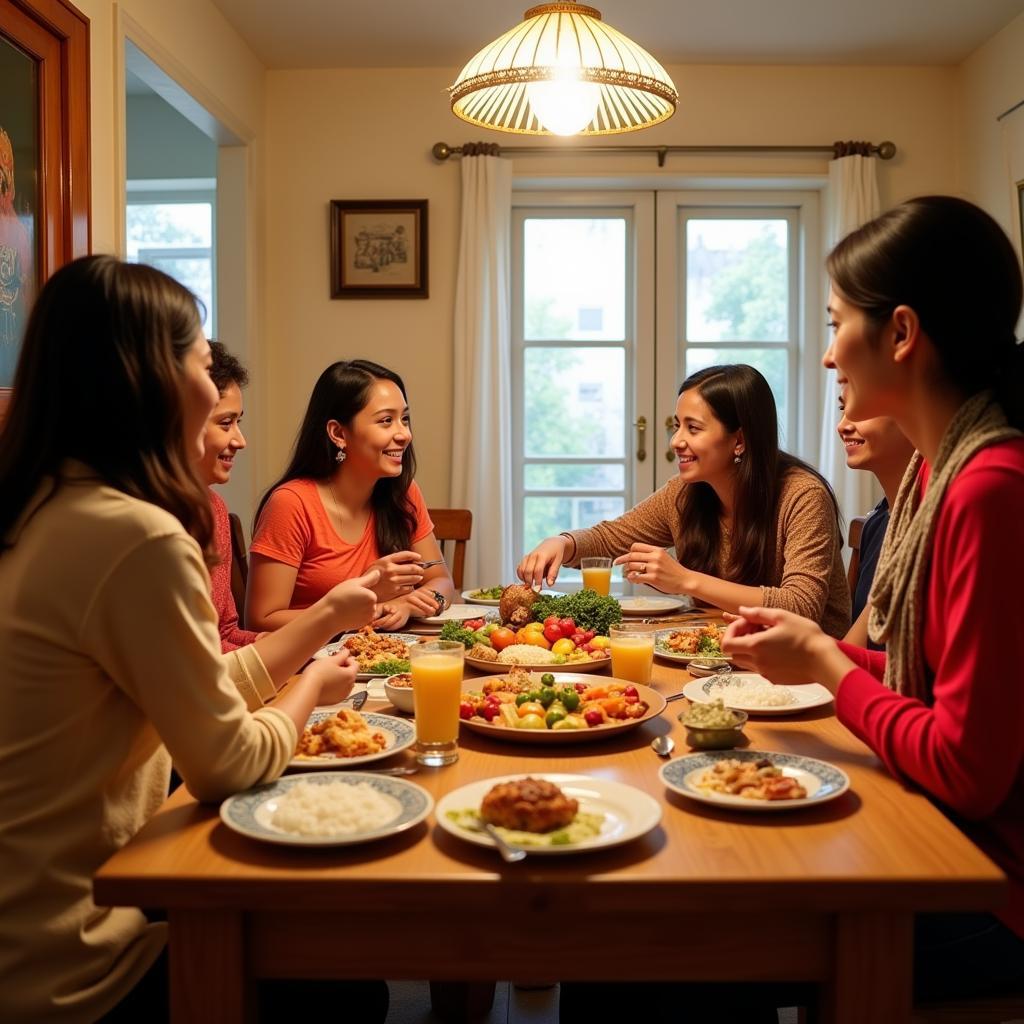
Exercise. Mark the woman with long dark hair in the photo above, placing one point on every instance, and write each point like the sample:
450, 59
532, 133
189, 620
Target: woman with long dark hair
748, 522
346, 504
108, 640
924, 304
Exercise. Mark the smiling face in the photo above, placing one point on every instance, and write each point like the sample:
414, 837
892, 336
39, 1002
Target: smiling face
379, 434
704, 448
198, 394
873, 444
223, 438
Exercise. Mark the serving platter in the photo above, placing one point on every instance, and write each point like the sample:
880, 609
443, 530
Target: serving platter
628, 812
729, 688
249, 813
398, 733
551, 737
591, 665
823, 781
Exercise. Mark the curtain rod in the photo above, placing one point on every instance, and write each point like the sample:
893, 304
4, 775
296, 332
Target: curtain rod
885, 150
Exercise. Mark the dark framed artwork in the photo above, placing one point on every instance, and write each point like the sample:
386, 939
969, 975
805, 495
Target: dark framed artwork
44, 157
379, 249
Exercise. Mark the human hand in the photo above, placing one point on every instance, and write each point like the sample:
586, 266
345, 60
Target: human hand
391, 616
783, 647
353, 602
420, 603
654, 566
400, 572
335, 675
541, 565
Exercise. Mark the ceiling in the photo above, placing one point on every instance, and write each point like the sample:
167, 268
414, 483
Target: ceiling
446, 33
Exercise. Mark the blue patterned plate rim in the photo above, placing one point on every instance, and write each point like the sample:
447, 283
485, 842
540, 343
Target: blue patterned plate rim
832, 781
402, 733
239, 812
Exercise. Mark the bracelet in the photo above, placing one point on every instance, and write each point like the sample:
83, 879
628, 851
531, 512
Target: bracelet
442, 601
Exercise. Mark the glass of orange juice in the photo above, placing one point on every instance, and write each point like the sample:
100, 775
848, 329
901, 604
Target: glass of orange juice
632, 650
436, 689
597, 574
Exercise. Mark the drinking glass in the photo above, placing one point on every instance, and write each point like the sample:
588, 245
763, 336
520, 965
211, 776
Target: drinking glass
436, 688
597, 574
632, 650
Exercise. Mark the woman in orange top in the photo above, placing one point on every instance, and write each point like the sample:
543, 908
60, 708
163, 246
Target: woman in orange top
348, 502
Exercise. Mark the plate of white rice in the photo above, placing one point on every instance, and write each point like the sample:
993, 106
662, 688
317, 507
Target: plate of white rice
327, 809
747, 691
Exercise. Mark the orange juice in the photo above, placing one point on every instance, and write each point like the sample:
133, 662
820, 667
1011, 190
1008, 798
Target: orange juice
597, 579
632, 657
436, 688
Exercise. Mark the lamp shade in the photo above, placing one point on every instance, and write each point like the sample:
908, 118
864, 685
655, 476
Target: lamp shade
563, 71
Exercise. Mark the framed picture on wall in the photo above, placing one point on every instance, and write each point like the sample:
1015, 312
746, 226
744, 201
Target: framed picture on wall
44, 157
379, 249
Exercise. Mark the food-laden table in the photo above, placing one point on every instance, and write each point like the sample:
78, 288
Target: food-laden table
821, 895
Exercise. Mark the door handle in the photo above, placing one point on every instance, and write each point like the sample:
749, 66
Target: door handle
641, 438
670, 429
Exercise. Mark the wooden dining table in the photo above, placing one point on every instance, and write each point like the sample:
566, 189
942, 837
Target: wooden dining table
824, 894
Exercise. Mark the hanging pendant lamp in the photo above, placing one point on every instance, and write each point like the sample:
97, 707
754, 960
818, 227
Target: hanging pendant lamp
563, 71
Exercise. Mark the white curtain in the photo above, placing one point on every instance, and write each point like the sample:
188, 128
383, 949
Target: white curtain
482, 415
850, 201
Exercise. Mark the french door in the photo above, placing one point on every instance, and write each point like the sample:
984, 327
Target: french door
617, 297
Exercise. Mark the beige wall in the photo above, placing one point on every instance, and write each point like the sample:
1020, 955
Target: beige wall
991, 81
360, 134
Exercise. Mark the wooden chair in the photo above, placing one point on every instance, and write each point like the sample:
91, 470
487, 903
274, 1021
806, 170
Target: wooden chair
239, 566
453, 525
992, 1010
856, 528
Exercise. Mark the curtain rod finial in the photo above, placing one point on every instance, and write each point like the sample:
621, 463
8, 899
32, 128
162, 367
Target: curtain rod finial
887, 150
441, 151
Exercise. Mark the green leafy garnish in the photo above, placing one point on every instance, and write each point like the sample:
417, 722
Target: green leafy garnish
588, 609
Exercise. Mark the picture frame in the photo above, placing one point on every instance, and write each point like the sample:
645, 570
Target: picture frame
45, 187
379, 249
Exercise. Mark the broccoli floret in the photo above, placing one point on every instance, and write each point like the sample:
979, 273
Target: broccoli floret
588, 609
453, 630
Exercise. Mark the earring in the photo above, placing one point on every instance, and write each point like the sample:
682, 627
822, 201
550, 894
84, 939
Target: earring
341, 456
738, 458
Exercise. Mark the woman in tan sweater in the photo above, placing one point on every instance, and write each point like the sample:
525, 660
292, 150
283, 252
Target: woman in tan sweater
749, 523
108, 640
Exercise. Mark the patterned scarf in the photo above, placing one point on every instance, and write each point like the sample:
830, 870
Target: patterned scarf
898, 592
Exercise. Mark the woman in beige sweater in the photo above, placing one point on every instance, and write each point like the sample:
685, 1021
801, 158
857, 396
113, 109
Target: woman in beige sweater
108, 640
749, 523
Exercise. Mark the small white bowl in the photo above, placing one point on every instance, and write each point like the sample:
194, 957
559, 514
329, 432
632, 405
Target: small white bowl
400, 696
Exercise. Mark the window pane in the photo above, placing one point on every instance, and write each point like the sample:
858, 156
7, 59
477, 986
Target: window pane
574, 285
573, 402
737, 280
575, 477
771, 362
546, 517
177, 238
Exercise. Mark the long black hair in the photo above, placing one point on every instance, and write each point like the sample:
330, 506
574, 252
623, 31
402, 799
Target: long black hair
98, 381
740, 399
954, 266
341, 391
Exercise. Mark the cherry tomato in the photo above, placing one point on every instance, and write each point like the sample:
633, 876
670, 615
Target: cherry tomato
501, 638
552, 633
465, 710
567, 626
551, 620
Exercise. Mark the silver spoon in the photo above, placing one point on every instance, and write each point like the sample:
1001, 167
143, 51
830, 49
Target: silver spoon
402, 770
357, 700
663, 745
510, 854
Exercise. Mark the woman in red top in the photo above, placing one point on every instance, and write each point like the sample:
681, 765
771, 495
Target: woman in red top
347, 503
924, 304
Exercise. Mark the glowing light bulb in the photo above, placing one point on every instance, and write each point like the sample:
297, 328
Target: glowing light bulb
564, 105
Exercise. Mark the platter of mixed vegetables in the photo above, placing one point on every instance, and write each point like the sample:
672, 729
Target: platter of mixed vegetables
556, 707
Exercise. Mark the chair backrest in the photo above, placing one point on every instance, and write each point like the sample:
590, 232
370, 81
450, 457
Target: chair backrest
853, 570
453, 525
239, 566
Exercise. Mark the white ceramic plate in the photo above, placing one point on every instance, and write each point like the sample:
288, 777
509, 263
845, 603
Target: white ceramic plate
333, 648
653, 604
467, 595
628, 812
249, 813
808, 695
398, 735
823, 781
458, 611
683, 659
654, 700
